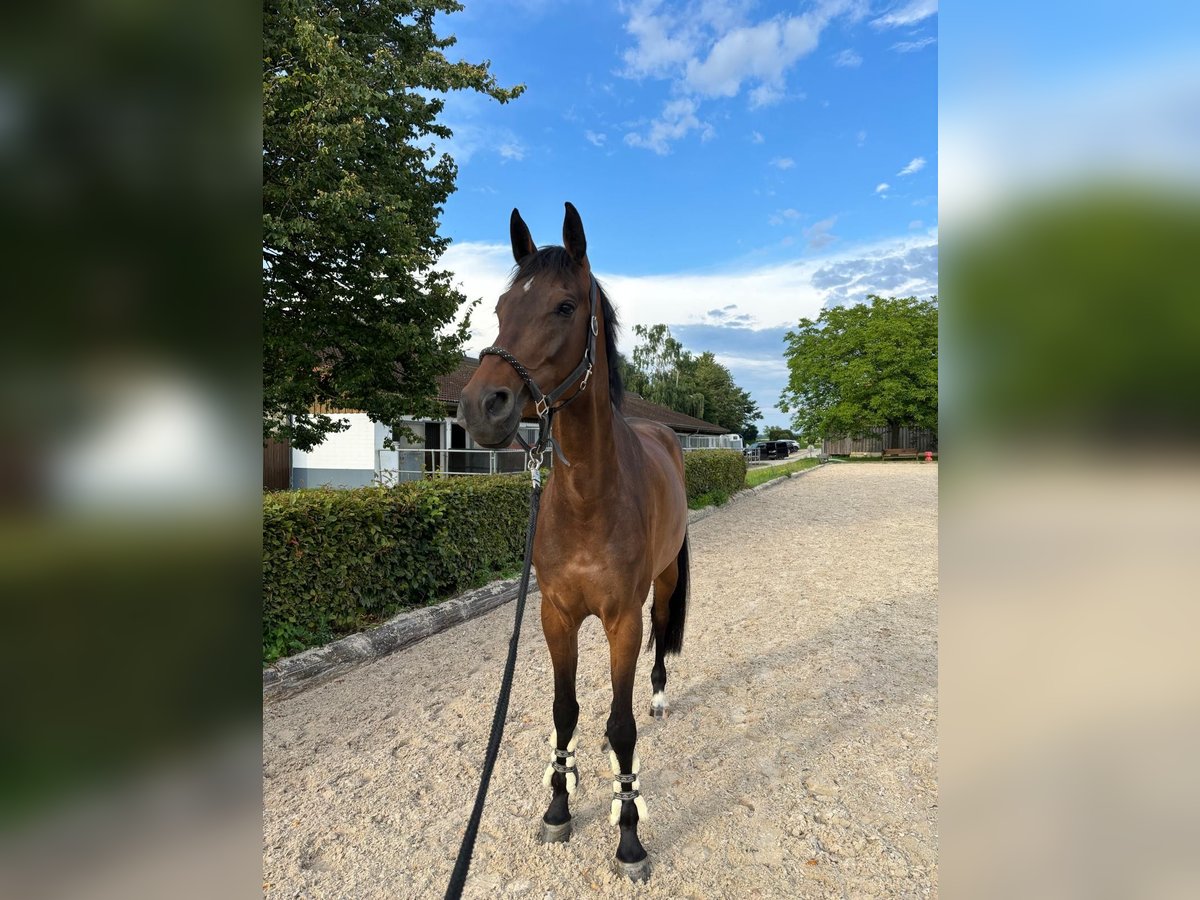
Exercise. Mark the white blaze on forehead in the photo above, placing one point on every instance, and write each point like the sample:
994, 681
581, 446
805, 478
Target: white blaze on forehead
528, 284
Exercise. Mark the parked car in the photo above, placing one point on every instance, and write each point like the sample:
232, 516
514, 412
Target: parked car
793, 446
769, 449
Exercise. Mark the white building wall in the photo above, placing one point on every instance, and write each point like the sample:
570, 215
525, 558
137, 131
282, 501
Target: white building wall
353, 448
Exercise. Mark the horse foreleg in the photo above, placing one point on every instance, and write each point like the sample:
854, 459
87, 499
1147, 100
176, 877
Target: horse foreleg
562, 638
628, 807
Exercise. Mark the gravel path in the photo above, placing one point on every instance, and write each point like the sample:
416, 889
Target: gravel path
800, 759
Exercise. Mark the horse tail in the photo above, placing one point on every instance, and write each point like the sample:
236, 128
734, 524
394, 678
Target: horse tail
673, 638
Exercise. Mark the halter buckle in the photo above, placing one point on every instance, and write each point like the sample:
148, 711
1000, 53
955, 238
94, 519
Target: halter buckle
586, 375
541, 407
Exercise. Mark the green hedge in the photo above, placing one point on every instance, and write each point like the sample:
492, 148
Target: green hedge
713, 475
337, 560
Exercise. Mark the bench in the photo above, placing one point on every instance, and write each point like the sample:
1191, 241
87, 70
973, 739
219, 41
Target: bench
900, 453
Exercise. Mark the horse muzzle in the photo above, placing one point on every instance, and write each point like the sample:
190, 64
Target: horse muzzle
491, 415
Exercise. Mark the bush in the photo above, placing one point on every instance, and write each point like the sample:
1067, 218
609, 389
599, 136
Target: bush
336, 560
713, 476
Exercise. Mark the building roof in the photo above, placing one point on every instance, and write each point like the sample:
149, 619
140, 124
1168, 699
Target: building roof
450, 388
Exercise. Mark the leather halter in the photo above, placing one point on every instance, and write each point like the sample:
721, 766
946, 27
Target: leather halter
546, 405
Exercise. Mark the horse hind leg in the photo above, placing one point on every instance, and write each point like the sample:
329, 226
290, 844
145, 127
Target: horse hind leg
664, 586
667, 617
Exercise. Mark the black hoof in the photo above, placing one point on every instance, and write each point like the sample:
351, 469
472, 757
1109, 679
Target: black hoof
556, 834
638, 871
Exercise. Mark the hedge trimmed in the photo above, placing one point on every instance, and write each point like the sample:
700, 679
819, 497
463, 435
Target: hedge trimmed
335, 560
713, 476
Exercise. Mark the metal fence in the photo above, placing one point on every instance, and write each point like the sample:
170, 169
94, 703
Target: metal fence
415, 464
709, 441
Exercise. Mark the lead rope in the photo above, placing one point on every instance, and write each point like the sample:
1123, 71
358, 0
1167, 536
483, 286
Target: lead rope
458, 878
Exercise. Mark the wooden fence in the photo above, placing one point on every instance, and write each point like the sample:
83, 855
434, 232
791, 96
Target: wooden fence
920, 439
277, 465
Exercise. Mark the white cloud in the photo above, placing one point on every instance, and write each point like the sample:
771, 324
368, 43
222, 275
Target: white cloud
756, 137
860, 138
780, 293
913, 167
782, 216
678, 117
907, 14
819, 233
783, 162
656, 50
916, 223
706, 50
749, 337
765, 95
847, 59
597, 139
882, 188
913, 46
511, 151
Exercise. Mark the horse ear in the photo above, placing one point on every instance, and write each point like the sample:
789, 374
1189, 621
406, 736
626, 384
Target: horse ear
522, 243
574, 239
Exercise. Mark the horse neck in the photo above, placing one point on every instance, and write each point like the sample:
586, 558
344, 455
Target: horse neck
587, 431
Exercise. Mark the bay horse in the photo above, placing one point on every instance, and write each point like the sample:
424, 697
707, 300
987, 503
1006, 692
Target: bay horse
613, 520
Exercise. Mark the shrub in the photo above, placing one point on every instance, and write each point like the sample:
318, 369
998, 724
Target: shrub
334, 560
713, 475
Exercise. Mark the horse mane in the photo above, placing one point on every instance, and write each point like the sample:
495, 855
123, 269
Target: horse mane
556, 260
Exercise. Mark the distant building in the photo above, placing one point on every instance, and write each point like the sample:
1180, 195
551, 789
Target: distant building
357, 456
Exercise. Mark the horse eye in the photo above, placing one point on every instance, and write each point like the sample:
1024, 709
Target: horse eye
565, 309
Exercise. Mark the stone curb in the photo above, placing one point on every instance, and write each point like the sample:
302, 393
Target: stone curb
293, 674
696, 515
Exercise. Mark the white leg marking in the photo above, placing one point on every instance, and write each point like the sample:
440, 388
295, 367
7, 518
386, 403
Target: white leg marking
659, 700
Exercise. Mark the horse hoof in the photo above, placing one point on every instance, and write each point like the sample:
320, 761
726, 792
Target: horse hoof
638, 871
659, 712
556, 834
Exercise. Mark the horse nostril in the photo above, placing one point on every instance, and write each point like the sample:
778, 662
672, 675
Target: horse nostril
498, 404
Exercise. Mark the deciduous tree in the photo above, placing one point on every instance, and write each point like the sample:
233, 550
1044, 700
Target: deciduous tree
355, 315
860, 367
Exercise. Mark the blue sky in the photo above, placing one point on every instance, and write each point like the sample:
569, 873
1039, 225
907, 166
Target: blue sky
737, 165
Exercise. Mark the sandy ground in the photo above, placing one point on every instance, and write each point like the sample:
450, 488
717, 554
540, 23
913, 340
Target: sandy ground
800, 759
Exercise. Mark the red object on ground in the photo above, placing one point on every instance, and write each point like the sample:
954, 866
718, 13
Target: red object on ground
928, 456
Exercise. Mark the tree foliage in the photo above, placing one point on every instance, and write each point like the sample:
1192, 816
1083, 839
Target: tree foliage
663, 372
775, 433
862, 367
354, 314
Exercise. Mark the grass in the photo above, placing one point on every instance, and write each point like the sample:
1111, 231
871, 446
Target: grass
756, 477
710, 498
